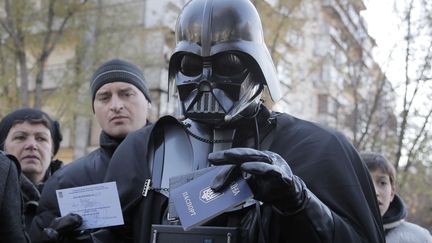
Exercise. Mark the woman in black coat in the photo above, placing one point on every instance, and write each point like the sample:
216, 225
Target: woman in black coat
33, 138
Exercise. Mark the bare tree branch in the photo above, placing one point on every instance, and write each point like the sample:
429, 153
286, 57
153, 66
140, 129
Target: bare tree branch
420, 133
50, 41
406, 103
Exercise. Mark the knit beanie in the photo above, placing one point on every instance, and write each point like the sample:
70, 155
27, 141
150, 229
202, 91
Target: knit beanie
117, 70
26, 114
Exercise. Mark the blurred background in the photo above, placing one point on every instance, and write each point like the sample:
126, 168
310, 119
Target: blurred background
362, 67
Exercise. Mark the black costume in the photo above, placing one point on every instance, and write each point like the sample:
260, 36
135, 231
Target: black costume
315, 155
87, 170
310, 180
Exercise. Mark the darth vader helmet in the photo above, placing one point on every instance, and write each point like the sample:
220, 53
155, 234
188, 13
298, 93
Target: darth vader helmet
221, 63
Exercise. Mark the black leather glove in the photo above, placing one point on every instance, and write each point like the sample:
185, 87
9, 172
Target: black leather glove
61, 227
268, 175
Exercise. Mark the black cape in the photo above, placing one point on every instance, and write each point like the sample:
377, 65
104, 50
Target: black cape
328, 164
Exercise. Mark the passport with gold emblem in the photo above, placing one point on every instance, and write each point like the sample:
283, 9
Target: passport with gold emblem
196, 203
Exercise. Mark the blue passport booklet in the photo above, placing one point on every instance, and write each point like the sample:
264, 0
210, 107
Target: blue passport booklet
196, 203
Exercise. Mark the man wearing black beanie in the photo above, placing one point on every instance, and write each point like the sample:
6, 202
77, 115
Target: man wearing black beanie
120, 102
118, 70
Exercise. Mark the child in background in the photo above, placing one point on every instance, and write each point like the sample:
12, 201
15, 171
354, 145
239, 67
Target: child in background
392, 208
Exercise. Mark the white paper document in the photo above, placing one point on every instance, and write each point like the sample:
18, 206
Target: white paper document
97, 204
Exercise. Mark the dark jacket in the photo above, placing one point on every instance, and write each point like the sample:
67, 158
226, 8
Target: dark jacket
31, 193
31, 196
12, 227
87, 170
327, 163
398, 230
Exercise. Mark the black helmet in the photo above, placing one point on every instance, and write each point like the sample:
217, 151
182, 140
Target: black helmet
221, 62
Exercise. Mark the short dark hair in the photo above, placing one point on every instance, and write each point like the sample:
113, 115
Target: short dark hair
32, 116
42, 120
375, 161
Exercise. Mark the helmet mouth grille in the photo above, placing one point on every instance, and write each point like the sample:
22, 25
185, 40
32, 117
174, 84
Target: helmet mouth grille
207, 103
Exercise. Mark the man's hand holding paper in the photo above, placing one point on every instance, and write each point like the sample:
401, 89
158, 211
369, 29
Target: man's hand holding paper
98, 204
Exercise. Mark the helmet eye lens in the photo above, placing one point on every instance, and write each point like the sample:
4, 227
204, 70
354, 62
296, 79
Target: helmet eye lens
228, 65
191, 65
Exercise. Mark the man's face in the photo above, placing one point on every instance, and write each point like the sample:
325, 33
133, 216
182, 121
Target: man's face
32, 145
120, 108
383, 189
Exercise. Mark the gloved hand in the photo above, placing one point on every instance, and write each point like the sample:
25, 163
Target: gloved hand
268, 175
61, 226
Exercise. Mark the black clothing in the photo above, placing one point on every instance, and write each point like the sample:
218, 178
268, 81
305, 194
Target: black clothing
87, 170
12, 227
326, 162
31, 196
31, 193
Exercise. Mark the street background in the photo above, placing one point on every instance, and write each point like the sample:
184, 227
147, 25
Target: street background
360, 67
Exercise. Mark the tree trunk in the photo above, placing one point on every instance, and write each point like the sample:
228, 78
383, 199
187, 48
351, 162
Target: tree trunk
23, 71
39, 85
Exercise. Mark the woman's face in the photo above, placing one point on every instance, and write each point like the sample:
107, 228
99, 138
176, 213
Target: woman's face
32, 145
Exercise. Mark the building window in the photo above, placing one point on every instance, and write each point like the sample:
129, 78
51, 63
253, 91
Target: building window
323, 103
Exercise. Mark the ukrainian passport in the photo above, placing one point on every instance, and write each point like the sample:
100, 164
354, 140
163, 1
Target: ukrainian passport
196, 203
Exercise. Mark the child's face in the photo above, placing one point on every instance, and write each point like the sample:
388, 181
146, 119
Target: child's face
383, 188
